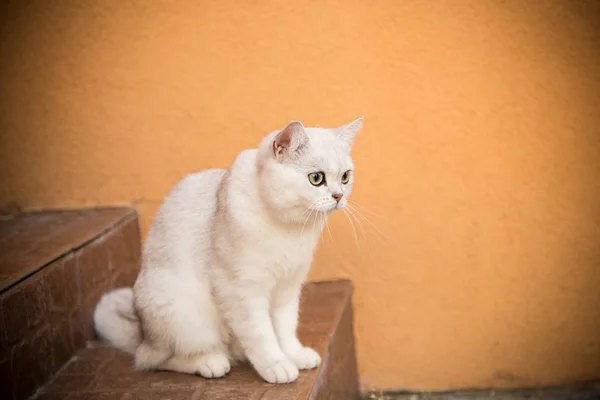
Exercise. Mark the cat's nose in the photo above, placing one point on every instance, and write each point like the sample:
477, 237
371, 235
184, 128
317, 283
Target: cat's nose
337, 196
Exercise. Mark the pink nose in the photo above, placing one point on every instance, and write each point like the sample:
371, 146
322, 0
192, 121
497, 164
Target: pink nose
337, 196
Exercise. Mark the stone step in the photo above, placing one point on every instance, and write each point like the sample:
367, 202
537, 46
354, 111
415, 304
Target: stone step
98, 372
54, 266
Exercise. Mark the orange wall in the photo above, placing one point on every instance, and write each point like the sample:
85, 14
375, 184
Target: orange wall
479, 163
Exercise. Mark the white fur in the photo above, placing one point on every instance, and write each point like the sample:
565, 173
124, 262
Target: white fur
225, 258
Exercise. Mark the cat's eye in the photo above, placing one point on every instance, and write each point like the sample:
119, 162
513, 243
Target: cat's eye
316, 178
346, 177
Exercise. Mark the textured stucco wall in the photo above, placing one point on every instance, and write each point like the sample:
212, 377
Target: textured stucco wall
479, 163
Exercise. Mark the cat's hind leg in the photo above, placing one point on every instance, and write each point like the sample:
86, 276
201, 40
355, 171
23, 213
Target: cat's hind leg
148, 357
181, 326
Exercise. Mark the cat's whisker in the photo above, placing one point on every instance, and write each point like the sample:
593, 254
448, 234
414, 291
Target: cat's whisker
322, 221
378, 233
314, 221
351, 212
310, 208
360, 215
353, 228
305, 220
363, 208
327, 225
362, 229
308, 217
382, 236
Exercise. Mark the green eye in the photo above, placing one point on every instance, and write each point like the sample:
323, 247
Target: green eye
346, 177
316, 178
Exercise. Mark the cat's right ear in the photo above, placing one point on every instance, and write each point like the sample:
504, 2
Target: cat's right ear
290, 141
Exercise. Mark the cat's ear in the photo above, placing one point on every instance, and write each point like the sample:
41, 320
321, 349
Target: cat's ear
348, 132
290, 141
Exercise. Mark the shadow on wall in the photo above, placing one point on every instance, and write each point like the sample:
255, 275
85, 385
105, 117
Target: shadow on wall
479, 162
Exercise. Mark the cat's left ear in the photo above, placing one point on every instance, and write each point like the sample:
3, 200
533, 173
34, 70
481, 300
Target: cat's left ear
348, 132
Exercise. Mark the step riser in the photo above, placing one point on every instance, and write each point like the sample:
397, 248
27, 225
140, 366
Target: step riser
339, 366
47, 317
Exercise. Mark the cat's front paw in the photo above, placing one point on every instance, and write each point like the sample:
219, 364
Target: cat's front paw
306, 358
283, 371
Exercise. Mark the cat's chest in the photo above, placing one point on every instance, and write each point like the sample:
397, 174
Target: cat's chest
286, 249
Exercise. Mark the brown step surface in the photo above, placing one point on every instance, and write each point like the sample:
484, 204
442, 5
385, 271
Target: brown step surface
53, 268
99, 372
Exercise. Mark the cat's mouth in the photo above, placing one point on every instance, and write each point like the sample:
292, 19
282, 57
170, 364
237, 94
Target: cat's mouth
329, 209
335, 207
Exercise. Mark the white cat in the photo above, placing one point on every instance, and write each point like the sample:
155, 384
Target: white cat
225, 258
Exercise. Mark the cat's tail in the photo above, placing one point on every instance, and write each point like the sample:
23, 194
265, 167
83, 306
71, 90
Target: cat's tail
116, 321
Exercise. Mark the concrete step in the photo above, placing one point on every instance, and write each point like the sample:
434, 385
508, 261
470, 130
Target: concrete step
54, 266
99, 372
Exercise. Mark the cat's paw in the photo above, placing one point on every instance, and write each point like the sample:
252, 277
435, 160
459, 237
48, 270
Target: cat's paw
306, 358
283, 371
213, 365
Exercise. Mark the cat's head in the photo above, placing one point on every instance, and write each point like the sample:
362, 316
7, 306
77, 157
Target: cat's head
306, 171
